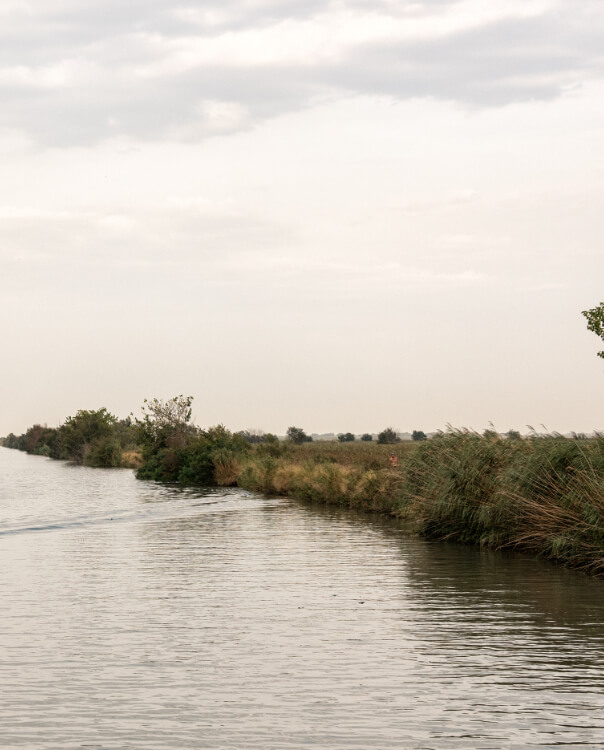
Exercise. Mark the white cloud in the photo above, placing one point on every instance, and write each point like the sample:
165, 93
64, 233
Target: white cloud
75, 75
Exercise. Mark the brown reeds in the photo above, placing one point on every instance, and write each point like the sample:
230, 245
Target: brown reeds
543, 495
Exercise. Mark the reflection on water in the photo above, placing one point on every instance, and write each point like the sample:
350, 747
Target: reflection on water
140, 616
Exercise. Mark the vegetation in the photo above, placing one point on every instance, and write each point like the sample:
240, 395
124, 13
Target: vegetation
174, 450
366, 437
346, 437
90, 438
595, 322
388, 436
418, 435
297, 436
542, 494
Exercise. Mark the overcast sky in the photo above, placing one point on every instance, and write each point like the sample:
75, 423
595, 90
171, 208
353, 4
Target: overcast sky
336, 215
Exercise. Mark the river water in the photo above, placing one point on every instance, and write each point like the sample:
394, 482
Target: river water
139, 616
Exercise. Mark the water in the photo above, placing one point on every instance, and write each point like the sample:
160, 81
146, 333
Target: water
138, 616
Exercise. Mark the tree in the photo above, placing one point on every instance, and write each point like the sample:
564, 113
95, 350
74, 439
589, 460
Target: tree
346, 437
366, 437
166, 422
595, 322
388, 436
78, 433
418, 435
297, 435
252, 436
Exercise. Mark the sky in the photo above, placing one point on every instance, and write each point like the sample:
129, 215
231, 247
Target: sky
336, 215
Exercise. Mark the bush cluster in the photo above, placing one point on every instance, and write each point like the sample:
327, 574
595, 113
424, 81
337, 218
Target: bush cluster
90, 438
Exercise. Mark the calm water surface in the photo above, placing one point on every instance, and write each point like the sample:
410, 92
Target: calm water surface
138, 616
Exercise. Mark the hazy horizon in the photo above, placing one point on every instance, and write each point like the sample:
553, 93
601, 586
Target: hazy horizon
340, 216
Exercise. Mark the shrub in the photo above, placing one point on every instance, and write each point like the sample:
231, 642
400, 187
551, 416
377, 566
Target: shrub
297, 435
104, 452
418, 435
388, 437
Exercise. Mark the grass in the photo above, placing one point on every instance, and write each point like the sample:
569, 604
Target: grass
358, 454
131, 459
544, 495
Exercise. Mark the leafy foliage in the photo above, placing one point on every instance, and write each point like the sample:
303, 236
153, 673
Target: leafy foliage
388, 437
346, 437
418, 435
253, 437
366, 437
297, 435
91, 437
174, 450
595, 322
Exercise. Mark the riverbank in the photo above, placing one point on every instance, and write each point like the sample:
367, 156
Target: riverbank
542, 495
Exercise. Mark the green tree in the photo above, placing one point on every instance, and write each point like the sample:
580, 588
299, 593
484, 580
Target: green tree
346, 437
388, 436
297, 435
165, 423
252, 436
163, 433
418, 435
78, 433
366, 437
595, 322
11, 441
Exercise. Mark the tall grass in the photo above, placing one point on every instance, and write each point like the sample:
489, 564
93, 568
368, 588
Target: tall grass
542, 495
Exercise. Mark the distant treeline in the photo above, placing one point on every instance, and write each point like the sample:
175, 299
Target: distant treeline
162, 444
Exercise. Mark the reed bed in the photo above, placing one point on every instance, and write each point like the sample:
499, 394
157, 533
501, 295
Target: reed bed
543, 495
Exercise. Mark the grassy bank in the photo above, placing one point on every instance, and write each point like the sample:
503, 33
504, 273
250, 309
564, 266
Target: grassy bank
543, 495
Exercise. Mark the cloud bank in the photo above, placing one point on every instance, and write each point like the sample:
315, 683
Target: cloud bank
73, 73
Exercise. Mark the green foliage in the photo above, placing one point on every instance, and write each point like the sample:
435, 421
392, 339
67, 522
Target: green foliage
104, 452
272, 446
418, 435
11, 441
388, 437
206, 449
253, 437
366, 437
174, 450
77, 433
39, 440
94, 438
297, 435
164, 424
595, 322
346, 437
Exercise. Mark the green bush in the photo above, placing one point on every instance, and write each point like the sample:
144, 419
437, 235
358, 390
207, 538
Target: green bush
104, 452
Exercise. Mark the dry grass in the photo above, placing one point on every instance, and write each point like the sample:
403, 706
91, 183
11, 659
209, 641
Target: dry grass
358, 454
132, 460
545, 495
226, 468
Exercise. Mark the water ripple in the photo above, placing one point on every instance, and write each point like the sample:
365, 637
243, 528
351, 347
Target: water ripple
141, 616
